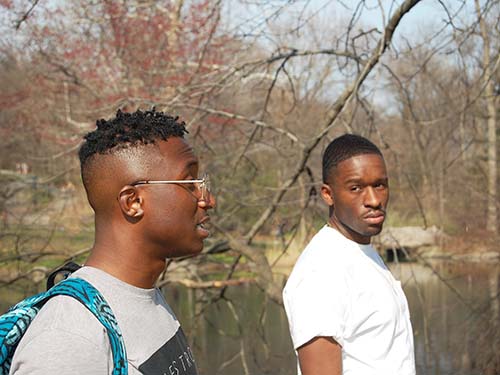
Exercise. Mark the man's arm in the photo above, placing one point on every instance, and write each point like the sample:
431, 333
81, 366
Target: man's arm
320, 356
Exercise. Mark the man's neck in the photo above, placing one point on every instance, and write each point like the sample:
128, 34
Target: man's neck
348, 234
123, 265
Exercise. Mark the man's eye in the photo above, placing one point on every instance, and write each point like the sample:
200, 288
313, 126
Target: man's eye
380, 186
355, 188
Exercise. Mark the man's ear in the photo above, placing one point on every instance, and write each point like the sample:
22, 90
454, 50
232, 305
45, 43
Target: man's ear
131, 202
327, 195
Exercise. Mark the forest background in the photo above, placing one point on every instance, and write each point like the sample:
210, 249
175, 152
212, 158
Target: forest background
264, 86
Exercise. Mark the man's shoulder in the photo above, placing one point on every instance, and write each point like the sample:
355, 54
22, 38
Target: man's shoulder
64, 334
66, 314
327, 248
324, 258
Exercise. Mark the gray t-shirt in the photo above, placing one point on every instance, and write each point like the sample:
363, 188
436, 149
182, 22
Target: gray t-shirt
65, 338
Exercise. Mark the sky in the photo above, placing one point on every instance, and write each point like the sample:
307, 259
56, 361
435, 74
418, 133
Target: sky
247, 18
427, 24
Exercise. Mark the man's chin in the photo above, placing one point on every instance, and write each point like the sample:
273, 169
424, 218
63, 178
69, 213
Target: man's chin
374, 230
194, 250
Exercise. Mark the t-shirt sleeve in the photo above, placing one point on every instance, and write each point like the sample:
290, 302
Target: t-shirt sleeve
59, 352
316, 305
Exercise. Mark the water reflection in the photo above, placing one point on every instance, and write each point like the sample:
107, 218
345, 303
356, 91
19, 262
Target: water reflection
454, 311
241, 334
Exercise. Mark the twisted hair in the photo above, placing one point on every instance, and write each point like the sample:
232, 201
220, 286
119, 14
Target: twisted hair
129, 129
343, 148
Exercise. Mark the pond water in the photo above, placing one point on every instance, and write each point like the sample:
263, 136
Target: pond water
454, 312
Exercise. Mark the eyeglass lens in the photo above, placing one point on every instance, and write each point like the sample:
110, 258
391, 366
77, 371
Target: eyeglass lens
205, 188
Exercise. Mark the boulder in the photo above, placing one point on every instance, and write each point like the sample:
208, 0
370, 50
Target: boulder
408, 238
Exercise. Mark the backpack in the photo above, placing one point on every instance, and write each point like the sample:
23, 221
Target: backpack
15, 322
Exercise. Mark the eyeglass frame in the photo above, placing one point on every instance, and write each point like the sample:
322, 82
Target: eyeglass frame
203, 187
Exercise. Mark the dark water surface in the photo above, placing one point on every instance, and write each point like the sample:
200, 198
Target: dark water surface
454, 311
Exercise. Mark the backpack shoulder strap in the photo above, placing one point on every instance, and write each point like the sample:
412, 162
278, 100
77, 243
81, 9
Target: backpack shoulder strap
15, 322
66, 269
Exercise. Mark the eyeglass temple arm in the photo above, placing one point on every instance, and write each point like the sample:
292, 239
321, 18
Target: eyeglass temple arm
153, 182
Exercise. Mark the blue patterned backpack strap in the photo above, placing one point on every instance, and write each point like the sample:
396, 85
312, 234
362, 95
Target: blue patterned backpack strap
15, 322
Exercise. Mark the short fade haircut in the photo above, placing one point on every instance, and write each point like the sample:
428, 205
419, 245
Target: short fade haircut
128, 130
346, 147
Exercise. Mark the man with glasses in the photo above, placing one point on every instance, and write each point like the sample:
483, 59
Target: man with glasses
141, 179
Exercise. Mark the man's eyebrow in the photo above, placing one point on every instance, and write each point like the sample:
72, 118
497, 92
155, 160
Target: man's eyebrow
352, 180
190, 164
187, 150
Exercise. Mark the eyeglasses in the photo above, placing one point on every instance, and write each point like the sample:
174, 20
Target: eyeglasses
203, 185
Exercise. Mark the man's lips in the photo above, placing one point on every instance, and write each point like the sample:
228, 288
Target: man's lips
203, 220
201, 226
376, 217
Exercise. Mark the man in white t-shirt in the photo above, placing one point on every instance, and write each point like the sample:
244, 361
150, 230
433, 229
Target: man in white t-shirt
347, 314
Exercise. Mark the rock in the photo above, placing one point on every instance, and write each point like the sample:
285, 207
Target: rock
483, 257
409, 243
490, 256
409, 237
434, 252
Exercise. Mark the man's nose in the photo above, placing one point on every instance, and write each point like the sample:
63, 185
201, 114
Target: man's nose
208, 203
372, 198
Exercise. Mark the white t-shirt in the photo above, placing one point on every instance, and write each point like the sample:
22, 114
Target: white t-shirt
342, 289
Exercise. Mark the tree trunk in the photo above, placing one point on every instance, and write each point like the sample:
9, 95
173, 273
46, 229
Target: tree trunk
489, 93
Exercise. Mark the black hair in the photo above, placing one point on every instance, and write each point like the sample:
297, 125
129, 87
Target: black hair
343, 148
129, 129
